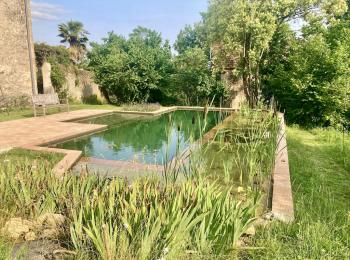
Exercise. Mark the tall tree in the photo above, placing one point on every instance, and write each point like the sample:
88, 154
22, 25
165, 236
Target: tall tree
243, 30
133, 69
194, 82
191, 37
75, 35
309, 75
73, 32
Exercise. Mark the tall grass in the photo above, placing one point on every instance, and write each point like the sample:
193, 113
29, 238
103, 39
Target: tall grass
243, 152
111, 219
150, 218
320, 183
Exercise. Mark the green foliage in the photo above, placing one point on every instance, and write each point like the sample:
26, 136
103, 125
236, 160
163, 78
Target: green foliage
92, 100
193, 79
58, 79
309, 77
59, 58
130, 70
76, 36
112, 219
74, 33
52, 54
243, 151
148, 218
243, 31
320, 181
191, 37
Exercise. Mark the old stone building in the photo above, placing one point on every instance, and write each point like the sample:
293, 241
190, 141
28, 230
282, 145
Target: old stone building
17, 66
227, 64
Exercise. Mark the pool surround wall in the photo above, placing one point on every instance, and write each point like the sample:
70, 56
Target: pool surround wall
282, 195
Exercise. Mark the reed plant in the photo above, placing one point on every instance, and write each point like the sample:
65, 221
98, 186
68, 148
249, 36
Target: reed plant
110, 218
196, 217
244, 149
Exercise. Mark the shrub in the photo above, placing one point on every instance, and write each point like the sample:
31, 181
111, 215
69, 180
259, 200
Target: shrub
58, 80
92, 100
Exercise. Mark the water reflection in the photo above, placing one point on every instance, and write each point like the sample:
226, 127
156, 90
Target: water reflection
153, 140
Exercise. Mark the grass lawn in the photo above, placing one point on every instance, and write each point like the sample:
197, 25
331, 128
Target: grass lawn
320, 173
28, 112
18, 156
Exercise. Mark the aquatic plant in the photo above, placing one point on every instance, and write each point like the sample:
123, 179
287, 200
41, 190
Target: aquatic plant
112, 219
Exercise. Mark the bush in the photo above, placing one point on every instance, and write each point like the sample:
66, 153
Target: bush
58, 80
52, 54
128, 70
309, 78
92, 100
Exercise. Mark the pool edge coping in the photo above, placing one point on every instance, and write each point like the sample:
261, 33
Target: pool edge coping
282, 193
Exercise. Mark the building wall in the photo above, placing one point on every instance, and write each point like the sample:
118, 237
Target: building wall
80, 85
15, 70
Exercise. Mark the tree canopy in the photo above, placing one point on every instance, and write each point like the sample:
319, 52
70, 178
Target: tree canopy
128, 70
73, 32
254, 42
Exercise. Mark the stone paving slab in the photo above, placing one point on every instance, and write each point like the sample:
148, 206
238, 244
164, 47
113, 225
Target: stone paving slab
47, 129
282, 198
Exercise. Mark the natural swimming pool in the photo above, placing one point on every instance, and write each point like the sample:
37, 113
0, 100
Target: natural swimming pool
144, 139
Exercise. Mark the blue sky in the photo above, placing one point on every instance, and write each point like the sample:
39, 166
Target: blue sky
120, 16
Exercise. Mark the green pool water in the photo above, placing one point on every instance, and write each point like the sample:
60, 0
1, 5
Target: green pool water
144, 139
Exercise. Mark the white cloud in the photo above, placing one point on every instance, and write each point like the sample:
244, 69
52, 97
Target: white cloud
46, 11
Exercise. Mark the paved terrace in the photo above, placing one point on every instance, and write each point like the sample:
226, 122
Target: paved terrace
46, 129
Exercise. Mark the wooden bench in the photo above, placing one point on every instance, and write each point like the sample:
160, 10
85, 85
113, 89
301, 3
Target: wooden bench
48, 100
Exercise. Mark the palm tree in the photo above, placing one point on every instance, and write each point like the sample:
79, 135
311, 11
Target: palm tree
74, 33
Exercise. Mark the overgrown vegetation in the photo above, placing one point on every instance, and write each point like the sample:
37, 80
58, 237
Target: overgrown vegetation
248, 45
59, 59
320, 171
141, 69
243, 151
149, 218
309, 76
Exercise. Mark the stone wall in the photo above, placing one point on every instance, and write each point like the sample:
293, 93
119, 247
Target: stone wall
46, 77
15, 70
80, 84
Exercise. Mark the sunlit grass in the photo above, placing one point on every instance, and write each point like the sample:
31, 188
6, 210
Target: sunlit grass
196, 218
19, 155
320, 172
145, 219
